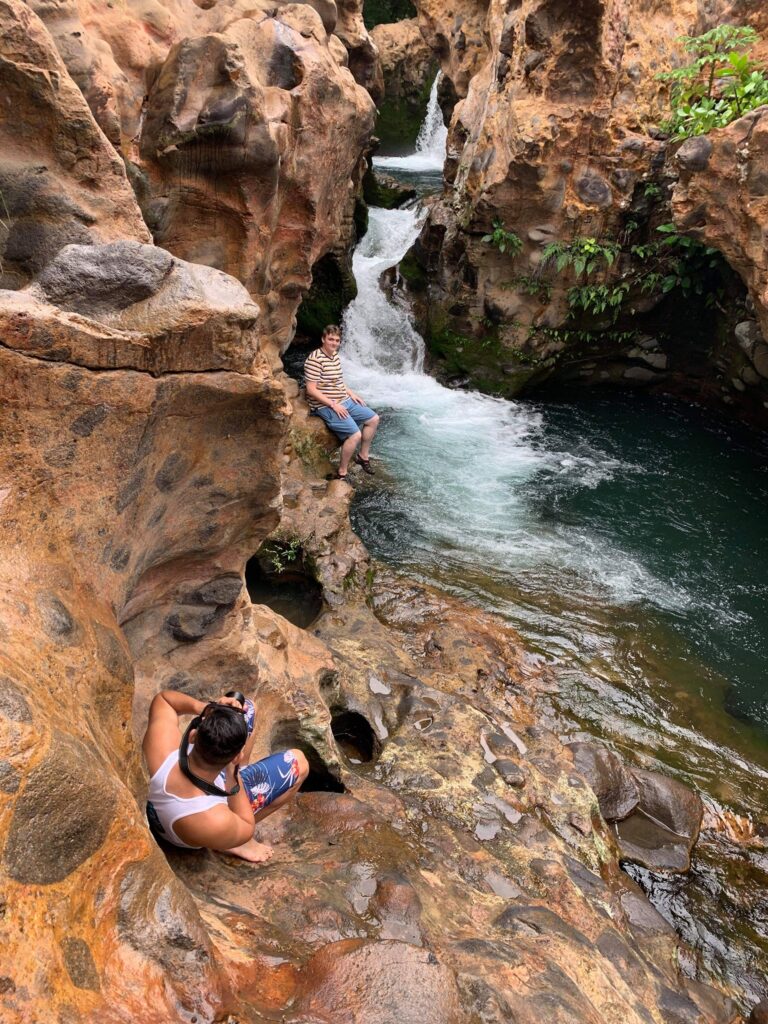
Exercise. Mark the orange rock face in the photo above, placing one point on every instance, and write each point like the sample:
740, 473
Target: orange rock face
555, 138
242, 128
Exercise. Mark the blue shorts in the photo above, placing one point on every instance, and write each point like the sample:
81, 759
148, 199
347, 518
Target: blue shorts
269, 778
349, 425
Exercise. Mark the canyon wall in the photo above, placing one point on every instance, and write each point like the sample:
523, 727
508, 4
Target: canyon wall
450, 862
555, 137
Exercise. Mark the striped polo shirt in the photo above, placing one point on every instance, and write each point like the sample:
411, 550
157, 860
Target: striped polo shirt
325, 372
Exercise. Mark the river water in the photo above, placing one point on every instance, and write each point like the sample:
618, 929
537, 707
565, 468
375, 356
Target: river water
623, 536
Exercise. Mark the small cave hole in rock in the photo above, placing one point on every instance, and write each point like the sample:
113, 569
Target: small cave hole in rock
287, 736
280, 576
355, 736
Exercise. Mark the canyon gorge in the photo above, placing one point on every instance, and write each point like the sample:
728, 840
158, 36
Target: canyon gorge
184, 196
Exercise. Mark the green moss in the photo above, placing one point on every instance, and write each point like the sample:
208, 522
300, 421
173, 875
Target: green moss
489, 364
385, 192
400, 118
324, 303
413, 272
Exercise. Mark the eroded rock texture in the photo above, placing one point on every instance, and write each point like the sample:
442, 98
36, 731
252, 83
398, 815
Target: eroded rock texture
448, 863
555, 138
241, 125
408, 67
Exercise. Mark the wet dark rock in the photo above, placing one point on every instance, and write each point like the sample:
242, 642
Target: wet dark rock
57, 621
13, 703
352, 982
677, 1008
759, 1014
694, 153
96, 279
613, 785
7, 985
663, 830
10, 780
353, 733
398, 909
78, 960
643, 916
62, 816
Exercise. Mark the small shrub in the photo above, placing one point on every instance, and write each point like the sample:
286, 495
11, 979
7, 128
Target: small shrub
583, 255
503, 240
721, 84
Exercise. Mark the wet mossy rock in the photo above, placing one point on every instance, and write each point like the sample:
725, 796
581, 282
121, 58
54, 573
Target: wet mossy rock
384, 191
333, 288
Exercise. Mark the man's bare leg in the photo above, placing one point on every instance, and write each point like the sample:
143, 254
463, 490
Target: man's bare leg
347, 451
369, 432
255, 852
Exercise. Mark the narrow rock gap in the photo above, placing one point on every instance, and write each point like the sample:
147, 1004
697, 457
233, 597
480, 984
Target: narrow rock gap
355, 737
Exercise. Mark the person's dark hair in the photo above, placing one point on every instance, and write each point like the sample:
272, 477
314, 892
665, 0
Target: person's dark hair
221, 735
331, 329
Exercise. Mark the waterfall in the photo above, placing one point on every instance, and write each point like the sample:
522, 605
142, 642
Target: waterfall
430, 144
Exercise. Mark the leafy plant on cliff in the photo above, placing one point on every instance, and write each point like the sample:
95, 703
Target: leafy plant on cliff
598, 299
721, 84
503, 240
583, 255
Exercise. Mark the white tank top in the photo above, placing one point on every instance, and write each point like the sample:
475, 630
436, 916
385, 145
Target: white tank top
169, 807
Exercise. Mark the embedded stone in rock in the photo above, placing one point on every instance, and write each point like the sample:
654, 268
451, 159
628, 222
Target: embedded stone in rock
354, 982
613, 785
93, 279
224, 590
593, 189
538, 920
190, 624
694, 153
512, 773
10, 780
62, 816
78, 960
13, 703
57, 621
355, 736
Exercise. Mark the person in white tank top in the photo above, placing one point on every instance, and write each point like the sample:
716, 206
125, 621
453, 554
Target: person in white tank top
212, 797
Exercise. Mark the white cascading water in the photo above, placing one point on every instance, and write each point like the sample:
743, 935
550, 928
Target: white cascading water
464, 462
430, 144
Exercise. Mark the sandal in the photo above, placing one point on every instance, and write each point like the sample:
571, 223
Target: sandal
366, 464
339, 476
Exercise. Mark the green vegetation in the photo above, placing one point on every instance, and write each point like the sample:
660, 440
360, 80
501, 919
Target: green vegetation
382, 12
597, 299
284, 552
413, 272
503, 240
721, 84
531, 284
400, 117
306, 447
584, 255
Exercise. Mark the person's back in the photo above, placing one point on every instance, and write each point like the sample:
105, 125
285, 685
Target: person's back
198, 795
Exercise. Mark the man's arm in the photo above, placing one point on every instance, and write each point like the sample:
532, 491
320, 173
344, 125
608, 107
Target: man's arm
315, 393
162, 735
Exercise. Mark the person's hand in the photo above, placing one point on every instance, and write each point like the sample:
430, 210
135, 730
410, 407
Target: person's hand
231, 701
340, 410
357, 398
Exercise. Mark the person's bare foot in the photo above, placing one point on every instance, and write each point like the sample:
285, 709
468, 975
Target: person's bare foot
256, 853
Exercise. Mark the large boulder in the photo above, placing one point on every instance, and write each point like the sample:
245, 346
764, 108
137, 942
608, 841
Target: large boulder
613, 783
663, 830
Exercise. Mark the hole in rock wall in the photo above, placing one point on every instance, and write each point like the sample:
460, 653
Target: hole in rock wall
355, 737
280, 576
287, 735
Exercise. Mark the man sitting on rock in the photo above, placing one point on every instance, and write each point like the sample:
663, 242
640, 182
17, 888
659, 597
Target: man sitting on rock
341, 410
199, 796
